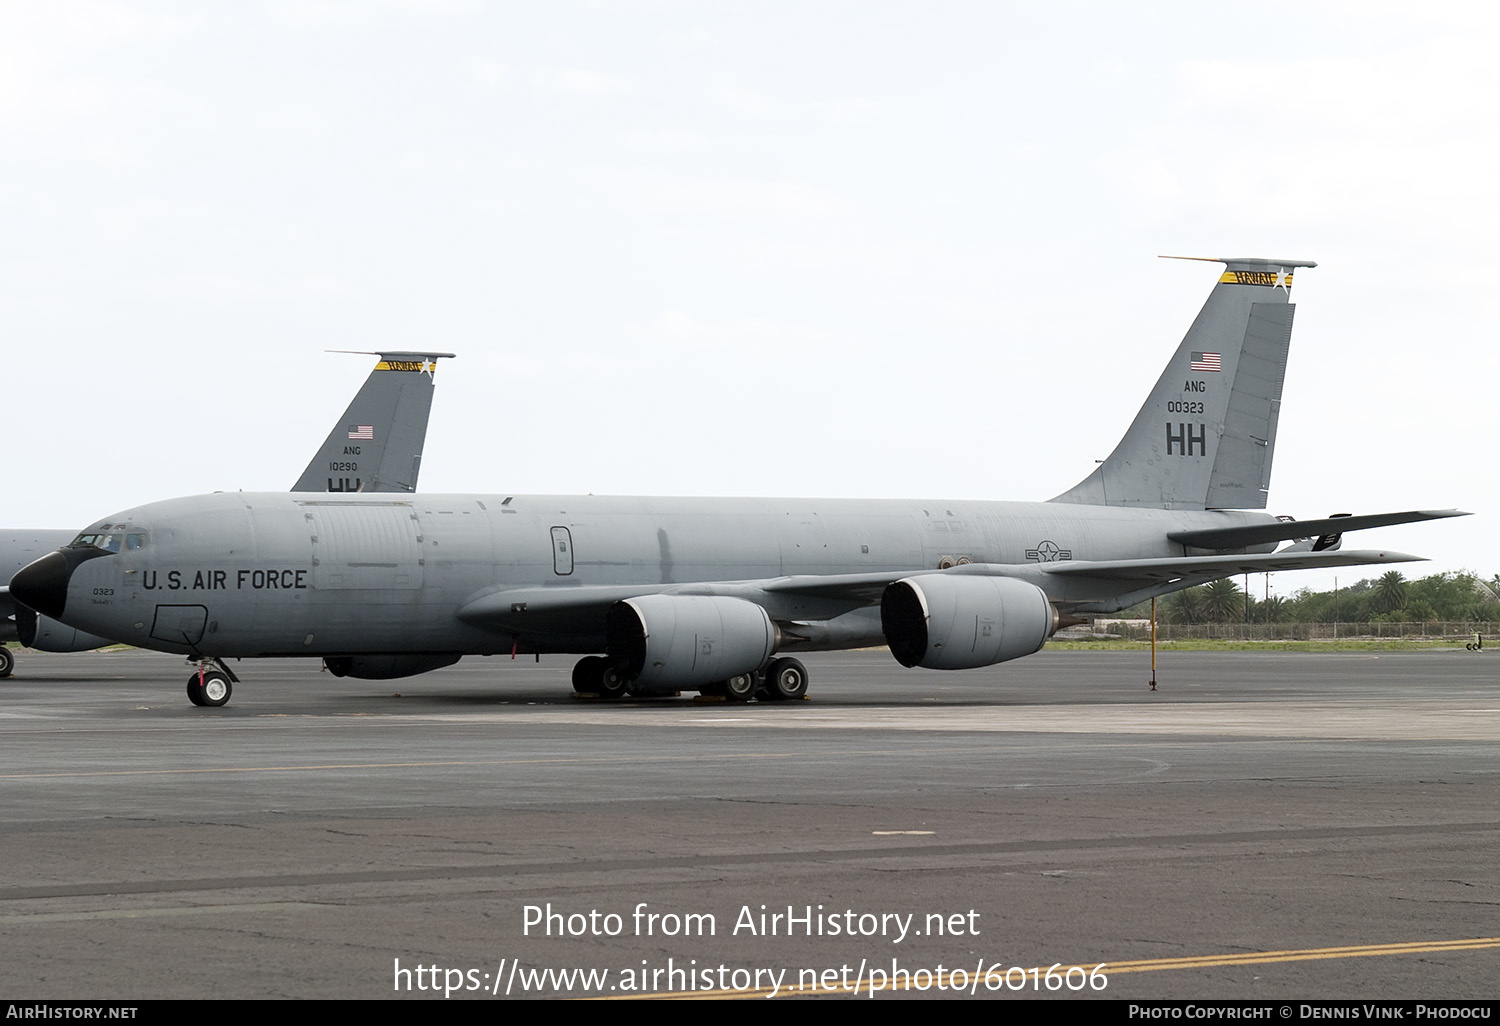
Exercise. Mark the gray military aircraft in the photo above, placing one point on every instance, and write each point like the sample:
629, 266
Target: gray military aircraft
667, 594
375, 447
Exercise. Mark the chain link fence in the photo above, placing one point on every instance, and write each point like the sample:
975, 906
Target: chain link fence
1458, 632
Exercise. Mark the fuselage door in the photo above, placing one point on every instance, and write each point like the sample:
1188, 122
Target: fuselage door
181, 625
562, 551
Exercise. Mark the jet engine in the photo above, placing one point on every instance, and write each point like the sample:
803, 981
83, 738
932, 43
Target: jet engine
947, 622
389, 667
48, 635
667, 642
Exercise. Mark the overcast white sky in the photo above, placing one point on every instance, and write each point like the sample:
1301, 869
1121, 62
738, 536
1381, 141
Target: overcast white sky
841, 249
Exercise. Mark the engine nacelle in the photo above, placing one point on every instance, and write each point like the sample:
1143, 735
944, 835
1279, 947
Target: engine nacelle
950, 622
667, 642
389, 667
48, 635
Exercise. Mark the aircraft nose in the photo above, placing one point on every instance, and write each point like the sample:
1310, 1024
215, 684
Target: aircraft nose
43, 585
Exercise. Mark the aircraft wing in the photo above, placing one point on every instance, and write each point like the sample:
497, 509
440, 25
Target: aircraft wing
1210, 567
576, 609
525, 608
572, 606
870, 586
1083, 583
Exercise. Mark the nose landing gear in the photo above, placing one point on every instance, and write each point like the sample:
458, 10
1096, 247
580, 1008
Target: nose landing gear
211, 686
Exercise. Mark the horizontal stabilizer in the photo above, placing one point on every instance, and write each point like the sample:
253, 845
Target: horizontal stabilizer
1260, 534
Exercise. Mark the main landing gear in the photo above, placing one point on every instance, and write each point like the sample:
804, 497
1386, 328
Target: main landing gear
784, 679
7, 661
209, 686
594, 676
740, 688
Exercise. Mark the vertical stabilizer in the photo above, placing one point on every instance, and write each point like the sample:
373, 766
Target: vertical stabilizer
377, 445
1205, 437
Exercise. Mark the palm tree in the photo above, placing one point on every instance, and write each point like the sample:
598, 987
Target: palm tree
1390, 591
1223, 601
1185, 606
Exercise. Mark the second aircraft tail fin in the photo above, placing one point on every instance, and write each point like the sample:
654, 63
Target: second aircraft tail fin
377, 445
1205, 437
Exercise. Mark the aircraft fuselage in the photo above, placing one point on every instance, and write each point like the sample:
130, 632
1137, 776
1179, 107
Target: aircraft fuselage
246, 574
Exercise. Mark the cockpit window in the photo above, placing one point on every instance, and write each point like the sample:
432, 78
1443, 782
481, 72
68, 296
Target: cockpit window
112, 541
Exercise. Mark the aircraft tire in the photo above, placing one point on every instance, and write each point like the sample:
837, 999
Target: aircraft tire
612, 687
195, 690
587, 673
7, 661
216, 689
593, 675
786, 679
741, 687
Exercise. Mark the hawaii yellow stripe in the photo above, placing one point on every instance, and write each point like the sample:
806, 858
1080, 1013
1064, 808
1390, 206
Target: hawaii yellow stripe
1256, 278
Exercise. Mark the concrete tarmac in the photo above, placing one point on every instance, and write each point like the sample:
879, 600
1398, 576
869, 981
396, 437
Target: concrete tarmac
1267, 826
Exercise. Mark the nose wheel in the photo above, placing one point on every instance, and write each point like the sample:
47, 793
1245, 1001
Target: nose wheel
210, 687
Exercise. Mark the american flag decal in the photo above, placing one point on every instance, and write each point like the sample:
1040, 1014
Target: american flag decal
367, 431
1200, 362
